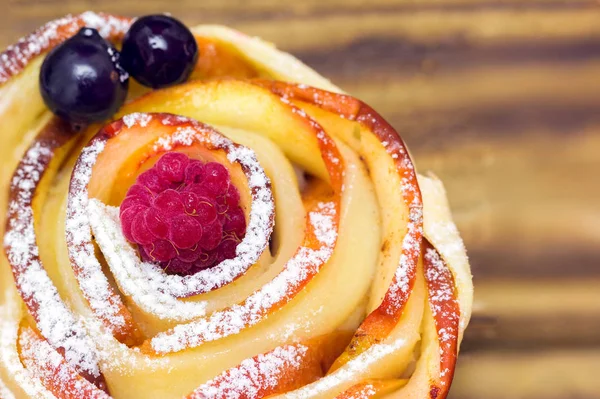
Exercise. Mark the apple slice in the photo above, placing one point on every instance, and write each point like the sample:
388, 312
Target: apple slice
391, 168
446, 314
341, 284
218, 60
441, 287
280, 370
240, 105
373, 389
26, 195
52, 369
434, 372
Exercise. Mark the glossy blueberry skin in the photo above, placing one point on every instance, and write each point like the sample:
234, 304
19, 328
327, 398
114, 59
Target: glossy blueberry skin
81, 79
159, 51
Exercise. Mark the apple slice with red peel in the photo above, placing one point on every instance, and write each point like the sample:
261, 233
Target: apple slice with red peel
242, 105
321, 235
440, 283
434, 371
51, 368
283, 369
372, 389
377, 138
26, 196
280, 370
444, 307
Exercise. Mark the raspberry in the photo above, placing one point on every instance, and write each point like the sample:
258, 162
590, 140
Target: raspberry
216, 178
161, 250
139, 231
190, 255
212, 237
202, 207
134, 200
127, 216
178, 266
155, 224
140, 194
235, 222
184, 214
226, 249
232, 198
206, 260
185, 231
194, 173
172, 166
152, 181
169, 203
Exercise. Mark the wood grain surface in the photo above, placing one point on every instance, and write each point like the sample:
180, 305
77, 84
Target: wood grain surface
500, 98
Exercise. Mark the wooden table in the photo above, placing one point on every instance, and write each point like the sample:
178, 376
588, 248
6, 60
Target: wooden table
500, 98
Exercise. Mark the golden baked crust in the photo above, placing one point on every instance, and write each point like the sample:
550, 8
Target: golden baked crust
394, 279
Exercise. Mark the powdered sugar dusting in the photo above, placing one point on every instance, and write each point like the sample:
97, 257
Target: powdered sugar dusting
322, 224
118, 357
366, 392
106, 24
184, 136
137, 118
9, 358
407, 268
444, 308
304, 264
399, 290
254, 376
446, 238
92, 280
351, 371
16, 57
54, 320
362, 392
46, 363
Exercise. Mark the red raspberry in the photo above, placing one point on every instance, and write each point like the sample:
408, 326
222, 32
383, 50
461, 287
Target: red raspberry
184, 214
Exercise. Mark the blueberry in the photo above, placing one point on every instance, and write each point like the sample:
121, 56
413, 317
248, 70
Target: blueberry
81, 79
159, 51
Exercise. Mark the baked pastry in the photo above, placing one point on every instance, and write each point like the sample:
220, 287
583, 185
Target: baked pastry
250, 232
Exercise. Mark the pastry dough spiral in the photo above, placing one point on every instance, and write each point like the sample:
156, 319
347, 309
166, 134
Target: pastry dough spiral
351, 281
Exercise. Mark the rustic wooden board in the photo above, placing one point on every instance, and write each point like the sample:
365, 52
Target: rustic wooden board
501, 100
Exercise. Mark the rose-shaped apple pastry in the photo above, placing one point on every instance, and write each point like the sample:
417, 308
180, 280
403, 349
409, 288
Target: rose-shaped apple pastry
252, 232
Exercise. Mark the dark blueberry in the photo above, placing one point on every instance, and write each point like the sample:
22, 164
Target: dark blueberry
81, 79
159, 51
